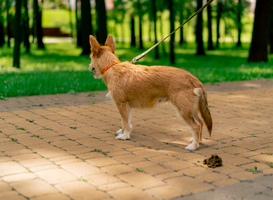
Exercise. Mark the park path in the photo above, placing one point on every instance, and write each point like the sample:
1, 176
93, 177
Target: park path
63, 147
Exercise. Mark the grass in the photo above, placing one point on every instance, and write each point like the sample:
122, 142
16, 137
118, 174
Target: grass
60, 69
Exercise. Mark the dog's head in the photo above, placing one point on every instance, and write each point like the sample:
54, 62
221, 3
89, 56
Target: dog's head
101, 56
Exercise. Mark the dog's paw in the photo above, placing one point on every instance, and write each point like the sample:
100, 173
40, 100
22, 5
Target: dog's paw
192, 147
123, 137
120, 131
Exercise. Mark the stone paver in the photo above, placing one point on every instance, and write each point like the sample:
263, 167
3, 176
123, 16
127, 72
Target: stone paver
64, 147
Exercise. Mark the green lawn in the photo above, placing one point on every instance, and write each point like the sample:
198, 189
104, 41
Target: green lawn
60, 69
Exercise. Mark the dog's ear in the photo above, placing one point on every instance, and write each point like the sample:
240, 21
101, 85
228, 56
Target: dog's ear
110, 43
95, 47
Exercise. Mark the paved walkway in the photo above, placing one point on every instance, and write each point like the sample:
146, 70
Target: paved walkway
63, 147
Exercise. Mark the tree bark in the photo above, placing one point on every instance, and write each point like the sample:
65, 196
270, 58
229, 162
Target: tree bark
17, 35
199, 31
38, 24
239, 15
133, 36
271, 29
172, 56
140, 25
258, 48
101, 21
219, 12
26, 26
210, 42
86, 26
78, 25
155, 31
182, 28
8, 22
2, 36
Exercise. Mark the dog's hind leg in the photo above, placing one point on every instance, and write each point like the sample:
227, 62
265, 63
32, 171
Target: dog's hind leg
124, 111
197, 118
185, 108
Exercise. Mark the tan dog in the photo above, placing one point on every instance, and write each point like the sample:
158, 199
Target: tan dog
138, 86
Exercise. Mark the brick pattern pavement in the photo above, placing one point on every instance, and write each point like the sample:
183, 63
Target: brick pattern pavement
70, 152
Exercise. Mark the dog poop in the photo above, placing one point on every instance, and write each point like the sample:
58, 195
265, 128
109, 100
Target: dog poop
213, 161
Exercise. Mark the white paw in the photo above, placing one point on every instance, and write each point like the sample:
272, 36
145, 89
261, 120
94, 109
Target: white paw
120, 131
123, 137
192, 147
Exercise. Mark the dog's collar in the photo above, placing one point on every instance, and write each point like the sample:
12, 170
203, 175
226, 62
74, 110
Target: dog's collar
110, 65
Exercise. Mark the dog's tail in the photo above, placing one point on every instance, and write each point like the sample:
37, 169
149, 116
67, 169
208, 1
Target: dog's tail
204, 108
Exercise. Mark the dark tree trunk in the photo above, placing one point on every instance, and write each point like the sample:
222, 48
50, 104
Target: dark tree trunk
78, 25
86, 26
155, 31
258, 48
162, 36
2, 36
8, 22
271, 29
133, 36
38, 24
199, 30
101, 21
182, 28
210, 43
172, 57
140, 25
219, 12
239, 15
26, 27
17, 35
70, 19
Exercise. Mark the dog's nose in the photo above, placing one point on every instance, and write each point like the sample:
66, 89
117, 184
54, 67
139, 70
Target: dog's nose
91, 68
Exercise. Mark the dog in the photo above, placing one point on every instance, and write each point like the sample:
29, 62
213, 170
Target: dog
138, 86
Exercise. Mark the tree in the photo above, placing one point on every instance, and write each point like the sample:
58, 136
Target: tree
133, 35
26, 26
38, 24
219, 12
101, 21
140, 15
78, 24
17, 36
155, 30
258, 48
8, 22
239, 14
172, 56
210, 43
2, 35
199, 30
271, 29
86, 26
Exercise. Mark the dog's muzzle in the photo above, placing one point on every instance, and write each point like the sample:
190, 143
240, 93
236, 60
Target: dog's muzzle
91, 68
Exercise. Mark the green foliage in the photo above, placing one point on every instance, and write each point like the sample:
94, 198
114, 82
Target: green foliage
255, 171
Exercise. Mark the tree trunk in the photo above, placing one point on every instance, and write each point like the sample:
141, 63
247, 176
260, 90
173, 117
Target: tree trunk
86, 26
210, 42
162, 35
219, 12
101, 21
17, 35
172, 57
271, 29
8, 22
199, 30
78, 25
258, 48
239, 14
26, 27
155, 31
70, 18
38, 24
140, 25
182, 28
133, 36
2, 35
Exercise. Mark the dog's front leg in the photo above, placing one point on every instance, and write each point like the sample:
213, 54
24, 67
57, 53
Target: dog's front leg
124, 110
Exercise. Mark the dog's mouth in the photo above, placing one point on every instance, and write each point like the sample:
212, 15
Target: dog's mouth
92, 69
